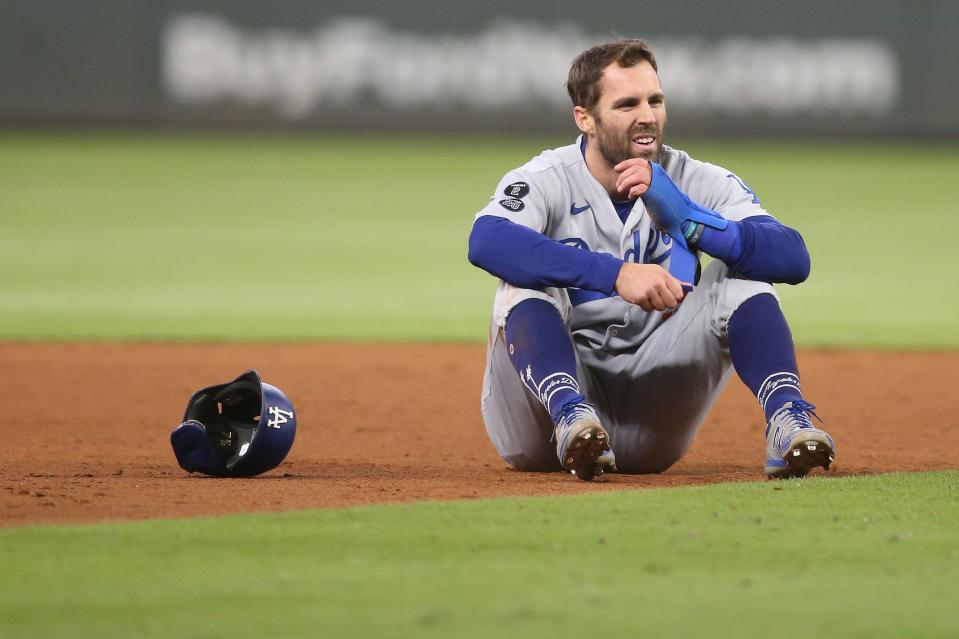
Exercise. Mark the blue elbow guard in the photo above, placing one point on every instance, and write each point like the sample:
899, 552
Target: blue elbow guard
669, 208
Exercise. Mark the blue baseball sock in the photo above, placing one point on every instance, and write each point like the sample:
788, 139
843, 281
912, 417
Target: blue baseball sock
763, 354
541, 351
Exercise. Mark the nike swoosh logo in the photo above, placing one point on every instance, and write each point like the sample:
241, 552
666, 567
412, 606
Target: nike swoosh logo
574, 210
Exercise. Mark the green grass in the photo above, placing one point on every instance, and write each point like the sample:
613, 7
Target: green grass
237, 238
854, 557
153, 237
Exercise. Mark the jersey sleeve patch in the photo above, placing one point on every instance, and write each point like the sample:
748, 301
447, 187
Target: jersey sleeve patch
517, 190
744, 187
512, 204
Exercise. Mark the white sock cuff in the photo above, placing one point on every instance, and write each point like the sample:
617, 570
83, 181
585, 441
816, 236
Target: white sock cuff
775, 382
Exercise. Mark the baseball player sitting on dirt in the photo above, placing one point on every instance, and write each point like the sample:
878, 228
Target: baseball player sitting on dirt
607, 340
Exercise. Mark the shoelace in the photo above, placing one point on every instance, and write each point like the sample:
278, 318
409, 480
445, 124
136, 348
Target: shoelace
797, 416
571, 413
800, 410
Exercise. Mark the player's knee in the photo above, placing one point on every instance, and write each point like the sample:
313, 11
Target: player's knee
731, 293
508, 297
746, 289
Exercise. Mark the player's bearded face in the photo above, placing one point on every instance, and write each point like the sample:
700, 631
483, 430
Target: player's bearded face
630, 115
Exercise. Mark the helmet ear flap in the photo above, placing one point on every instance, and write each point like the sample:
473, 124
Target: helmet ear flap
193, 450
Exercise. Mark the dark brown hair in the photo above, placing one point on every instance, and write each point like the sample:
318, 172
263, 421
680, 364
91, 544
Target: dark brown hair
587, 69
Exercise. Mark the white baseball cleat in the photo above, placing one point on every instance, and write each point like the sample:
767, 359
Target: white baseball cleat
582, 444
793, 445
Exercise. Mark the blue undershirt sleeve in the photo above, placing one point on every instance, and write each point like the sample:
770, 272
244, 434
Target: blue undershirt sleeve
767, 251
528, 259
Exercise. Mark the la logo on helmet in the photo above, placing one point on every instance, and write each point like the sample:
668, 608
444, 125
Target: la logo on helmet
281, 417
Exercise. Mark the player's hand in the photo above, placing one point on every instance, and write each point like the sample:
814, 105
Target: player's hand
635, 175
650, 286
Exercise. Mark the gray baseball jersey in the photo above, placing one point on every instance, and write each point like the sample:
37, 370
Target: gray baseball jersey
651, 376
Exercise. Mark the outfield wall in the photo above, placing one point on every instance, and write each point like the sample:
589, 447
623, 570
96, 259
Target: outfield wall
819, 67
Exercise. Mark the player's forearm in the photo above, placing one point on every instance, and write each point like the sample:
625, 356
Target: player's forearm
528, 259
758, 248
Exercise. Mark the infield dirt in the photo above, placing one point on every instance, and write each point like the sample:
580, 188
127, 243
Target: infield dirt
87, 427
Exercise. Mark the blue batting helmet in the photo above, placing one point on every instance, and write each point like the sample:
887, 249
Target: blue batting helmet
237, 429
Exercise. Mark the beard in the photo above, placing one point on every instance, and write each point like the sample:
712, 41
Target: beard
616, 148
